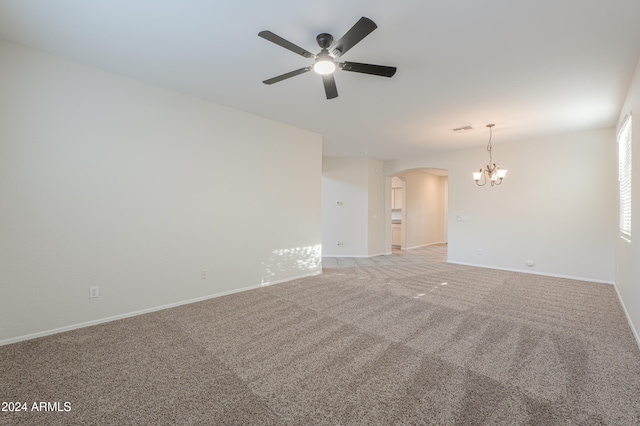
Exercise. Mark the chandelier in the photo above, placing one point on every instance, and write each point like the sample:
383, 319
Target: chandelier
491, 172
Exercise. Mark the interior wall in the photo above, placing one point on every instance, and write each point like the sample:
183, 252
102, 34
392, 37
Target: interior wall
627, 273
444, 194
424, 205
345, 207
112, 183
553, 208
376, 208
353, 207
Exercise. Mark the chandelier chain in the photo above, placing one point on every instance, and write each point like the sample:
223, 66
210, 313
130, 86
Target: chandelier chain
489, 145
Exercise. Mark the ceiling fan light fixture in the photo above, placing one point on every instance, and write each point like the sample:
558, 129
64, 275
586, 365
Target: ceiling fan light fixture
324, 67
324, 63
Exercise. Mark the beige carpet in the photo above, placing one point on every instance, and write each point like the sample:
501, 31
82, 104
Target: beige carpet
412, 342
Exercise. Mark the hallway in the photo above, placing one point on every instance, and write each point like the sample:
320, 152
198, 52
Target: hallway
436, 253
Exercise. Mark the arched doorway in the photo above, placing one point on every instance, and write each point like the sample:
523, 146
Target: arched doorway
419, 208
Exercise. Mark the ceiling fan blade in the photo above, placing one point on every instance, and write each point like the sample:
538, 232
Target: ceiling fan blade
330, 86
287, 75
360, 30
274, 38
380, 70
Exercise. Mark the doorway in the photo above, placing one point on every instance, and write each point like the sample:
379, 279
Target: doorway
419, 208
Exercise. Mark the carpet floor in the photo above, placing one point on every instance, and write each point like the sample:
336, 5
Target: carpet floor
409, 341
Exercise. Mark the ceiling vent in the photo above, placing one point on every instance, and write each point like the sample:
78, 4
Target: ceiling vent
463, 129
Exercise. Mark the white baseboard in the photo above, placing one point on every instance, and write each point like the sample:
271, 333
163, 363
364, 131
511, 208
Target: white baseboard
626, 313
636, 335
145, 311
268, 283
525, 271
359, 256
376, 254
415, 247
423, 245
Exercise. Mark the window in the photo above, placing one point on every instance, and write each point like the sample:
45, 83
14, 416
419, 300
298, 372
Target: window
624, 177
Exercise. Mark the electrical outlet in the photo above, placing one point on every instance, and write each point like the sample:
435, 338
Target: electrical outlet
94, 292
203, 274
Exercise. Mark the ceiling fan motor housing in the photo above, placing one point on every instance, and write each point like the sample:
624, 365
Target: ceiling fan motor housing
324, 40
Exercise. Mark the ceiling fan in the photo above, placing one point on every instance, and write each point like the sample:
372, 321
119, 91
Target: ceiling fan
325, 63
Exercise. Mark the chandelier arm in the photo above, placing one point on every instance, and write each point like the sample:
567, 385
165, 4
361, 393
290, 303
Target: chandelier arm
484, 178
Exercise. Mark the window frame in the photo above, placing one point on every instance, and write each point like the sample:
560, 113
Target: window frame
624, 142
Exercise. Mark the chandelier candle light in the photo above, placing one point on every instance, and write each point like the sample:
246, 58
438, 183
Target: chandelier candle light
491, 172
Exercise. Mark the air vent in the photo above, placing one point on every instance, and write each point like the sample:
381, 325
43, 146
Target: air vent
463, 129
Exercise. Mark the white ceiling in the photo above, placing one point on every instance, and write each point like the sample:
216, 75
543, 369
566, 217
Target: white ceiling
535, 68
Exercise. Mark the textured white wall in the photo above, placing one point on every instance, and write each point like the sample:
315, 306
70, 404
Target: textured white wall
377, 217
444, 194
628, 253
557, 206
108, 182
345, 180
359, 221
424, 223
